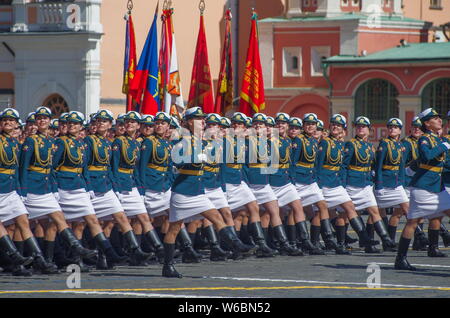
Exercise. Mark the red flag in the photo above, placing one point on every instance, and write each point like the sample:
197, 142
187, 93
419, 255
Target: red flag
164, 56
130, 61
201, 92
224, 95
252, 93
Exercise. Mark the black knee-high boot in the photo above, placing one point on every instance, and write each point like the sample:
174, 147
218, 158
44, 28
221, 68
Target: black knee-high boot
433, 248
388, 244
364, 238
348, 239
392, 231
75, 246
315, 235
217, 254
420, 242
306, 244
245, 236
340, 237
11, 251
39, 261
189, 254
327, 235
107, 250
370, 249
401, 262
136, 254
257, 233
228, 234
116, 241
168, 269
285, 247
291, 234
153, 239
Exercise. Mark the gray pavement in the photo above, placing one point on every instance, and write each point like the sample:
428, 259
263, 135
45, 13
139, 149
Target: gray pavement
280, 277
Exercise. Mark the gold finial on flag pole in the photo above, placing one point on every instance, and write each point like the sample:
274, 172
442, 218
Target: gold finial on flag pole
202, 6
130, 6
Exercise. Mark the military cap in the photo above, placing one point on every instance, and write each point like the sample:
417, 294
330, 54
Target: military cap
283, 117
31, 118
270, 121
132, 115
75, 117
213, 119
427, 114
310, 118
63, 117
174, 122
319, 124
259, 118
225, 122
361, 120
162, 116
54, 123
339, 119
296, 122
147, 120
239, 118
248, 122
416, 122
120, 118
395, 122
43, 111
194, 112
10, 113
104, 114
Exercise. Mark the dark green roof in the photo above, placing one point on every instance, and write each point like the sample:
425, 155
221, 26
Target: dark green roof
413, 52
344, 16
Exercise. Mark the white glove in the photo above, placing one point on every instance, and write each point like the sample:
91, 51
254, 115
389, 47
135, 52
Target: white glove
446, 144
92, 194
410, 172
56, 195
119, 196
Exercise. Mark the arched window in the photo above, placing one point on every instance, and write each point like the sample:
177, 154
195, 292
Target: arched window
57, 105
437, 95
377, 100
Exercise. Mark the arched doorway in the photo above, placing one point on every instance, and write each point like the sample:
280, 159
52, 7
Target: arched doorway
377, 100
57, 105
437, 95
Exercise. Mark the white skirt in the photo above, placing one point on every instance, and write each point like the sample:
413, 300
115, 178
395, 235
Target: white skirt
11, 206
285, 194
425, 204
408, 192
263, 193
217, 198
186, 206
391, 197
309, 193
75, 204
106, 204
447, 189
41, 205
335, 196
362, 198
132, 203
239, 195
157, 203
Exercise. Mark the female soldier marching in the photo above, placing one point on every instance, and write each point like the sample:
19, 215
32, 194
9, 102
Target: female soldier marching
428, 196
359, 157
390, 175
36, 176
100, 185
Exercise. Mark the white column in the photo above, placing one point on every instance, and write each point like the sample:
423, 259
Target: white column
266, 49
90, 15
372, 6
294, 8
408, 104
20, 16
328, 8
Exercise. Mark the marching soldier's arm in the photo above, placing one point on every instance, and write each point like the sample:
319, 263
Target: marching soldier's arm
115, 161
349, 151
402, 172
136, 174
58, 155
88, 159
379, 159
24, 163
146, 151
427, 152
321, 156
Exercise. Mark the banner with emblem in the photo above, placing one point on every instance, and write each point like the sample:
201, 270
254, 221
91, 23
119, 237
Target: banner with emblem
145, 81
129, 68
201, 91
252, 92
